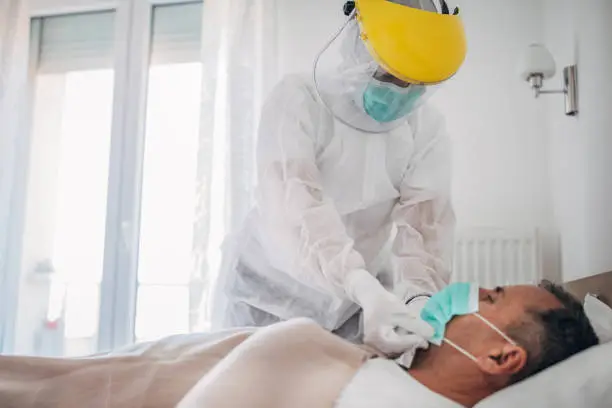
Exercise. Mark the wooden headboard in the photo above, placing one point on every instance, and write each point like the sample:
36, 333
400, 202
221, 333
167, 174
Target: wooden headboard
599, 285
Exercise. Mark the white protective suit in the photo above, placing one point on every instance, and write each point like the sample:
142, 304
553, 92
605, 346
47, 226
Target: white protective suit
328, 199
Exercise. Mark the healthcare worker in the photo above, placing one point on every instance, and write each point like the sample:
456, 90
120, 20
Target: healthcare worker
350, 159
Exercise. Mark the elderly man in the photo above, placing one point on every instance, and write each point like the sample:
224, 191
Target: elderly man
517, 332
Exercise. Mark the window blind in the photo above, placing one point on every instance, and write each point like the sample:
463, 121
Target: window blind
86, 41
176, 33
75, 42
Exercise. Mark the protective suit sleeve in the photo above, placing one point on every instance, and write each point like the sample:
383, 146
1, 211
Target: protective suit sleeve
306, 230
422, 251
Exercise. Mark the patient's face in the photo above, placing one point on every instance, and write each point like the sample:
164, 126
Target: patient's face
504, 307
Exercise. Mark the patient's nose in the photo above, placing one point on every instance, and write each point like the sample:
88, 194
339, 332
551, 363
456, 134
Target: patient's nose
484, 292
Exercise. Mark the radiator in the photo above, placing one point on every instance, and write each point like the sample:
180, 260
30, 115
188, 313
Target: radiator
496, 257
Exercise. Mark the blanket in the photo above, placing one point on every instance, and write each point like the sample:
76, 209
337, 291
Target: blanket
275, 367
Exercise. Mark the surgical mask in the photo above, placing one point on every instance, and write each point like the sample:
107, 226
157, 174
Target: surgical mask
387, 102
457, 299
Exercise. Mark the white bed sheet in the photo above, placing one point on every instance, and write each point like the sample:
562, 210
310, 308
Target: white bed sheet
583, 381
600, 316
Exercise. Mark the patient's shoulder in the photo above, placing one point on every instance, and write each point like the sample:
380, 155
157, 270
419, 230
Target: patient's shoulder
297, 327
305, 335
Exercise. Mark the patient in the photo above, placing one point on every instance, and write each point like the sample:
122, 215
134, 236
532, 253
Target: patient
544, 324
547, 324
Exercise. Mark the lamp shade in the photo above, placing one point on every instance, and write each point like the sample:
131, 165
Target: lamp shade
537, 60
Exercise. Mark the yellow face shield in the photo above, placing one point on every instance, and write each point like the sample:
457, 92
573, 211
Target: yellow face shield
379, 69
416, 46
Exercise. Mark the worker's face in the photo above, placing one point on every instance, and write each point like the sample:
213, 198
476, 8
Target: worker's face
383, 76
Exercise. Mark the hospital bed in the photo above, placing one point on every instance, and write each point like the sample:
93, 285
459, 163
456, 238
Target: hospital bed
159, 374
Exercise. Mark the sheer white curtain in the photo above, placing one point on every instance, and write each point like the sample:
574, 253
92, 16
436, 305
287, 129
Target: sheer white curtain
14, 32
239, 68
9, 12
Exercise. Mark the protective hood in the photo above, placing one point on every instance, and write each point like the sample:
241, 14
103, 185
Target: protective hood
358, 90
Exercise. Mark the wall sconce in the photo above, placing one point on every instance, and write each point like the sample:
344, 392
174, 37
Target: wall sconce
537, 64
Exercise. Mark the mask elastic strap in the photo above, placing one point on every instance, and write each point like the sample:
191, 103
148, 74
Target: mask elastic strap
461, 350
493, 327
488, 323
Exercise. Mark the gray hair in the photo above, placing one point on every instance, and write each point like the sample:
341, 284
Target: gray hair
553, 335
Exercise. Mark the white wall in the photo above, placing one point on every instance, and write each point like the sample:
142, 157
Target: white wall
500, 137
594, 34
499, 132
579, 31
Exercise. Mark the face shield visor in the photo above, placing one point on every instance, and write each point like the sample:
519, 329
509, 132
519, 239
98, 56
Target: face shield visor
357, 84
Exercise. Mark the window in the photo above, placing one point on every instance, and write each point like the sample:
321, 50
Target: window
85, 71
67, 186
169, 281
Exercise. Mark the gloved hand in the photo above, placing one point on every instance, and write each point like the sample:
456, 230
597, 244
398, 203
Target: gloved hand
389, 326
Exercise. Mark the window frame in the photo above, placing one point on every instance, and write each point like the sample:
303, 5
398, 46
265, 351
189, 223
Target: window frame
133, 25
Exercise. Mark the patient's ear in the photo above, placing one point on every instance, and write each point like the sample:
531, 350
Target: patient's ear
507, 360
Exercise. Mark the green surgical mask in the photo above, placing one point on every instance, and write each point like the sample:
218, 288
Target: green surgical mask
457, 299
387, 102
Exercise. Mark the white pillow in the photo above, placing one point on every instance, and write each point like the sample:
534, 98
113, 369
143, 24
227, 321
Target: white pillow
600, 316
583, 381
